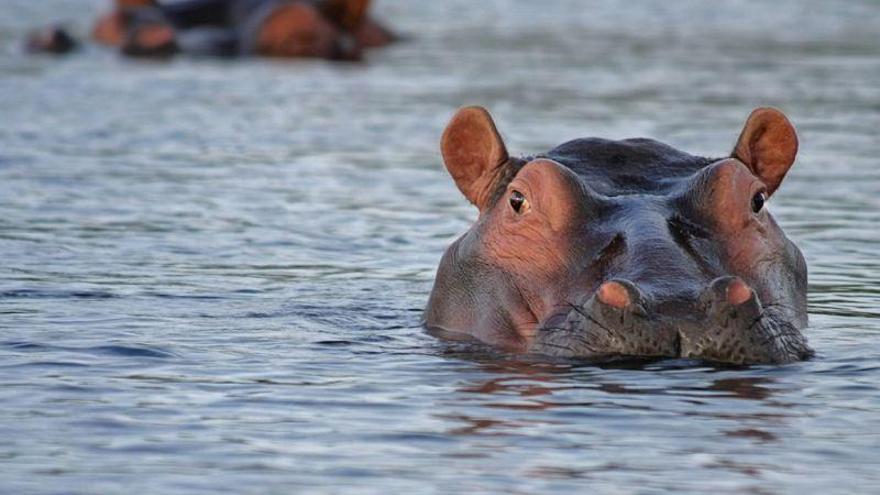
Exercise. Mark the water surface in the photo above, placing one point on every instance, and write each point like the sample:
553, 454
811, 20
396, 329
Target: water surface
213, 273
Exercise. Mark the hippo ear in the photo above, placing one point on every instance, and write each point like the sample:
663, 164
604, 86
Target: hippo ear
474, 153
768, 145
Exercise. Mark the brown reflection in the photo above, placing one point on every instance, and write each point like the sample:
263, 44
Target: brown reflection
752, 388
753, 434
514, 386
479, 426
519, 379
526, 388
504, 384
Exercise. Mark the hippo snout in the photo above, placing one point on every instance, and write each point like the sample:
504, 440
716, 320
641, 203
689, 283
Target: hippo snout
725, 323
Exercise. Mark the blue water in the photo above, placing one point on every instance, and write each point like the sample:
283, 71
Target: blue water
212, 273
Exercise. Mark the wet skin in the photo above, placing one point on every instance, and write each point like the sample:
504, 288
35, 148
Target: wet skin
603, 249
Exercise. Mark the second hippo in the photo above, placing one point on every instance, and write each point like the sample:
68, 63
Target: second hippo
330, 29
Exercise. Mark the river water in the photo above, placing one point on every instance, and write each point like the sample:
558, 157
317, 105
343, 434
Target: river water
212, 273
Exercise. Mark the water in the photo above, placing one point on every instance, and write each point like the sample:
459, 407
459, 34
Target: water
213, 272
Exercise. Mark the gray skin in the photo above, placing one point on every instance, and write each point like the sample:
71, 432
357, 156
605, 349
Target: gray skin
603, 249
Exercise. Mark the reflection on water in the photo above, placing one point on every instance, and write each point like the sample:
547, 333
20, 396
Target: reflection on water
212, 273
595, 414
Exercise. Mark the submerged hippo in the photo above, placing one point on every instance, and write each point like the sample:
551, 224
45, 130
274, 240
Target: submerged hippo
604, 249
51, 39
331, 29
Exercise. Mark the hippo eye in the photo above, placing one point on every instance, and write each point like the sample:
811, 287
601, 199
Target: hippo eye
518, 201
758, 201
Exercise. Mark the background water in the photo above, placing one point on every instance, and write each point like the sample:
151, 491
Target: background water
212, 273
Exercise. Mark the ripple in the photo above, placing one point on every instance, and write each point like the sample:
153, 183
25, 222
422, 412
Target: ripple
129, 351
55, 294
114, 350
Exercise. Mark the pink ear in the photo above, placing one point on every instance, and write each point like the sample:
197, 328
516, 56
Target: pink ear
474, 153
768, 145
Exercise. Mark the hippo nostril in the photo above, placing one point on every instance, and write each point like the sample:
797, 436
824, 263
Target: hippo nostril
613, 294
727, 293
619, 294
738, 292
730, 290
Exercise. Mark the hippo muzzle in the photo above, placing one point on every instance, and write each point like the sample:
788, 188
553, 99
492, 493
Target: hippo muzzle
727, 323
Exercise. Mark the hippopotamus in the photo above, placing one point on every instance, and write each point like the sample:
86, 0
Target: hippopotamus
53, 39
605, 249
330, 29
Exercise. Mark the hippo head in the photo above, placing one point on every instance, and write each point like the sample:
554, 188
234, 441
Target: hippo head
299, 29
52, 39
605, 249
150, 35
